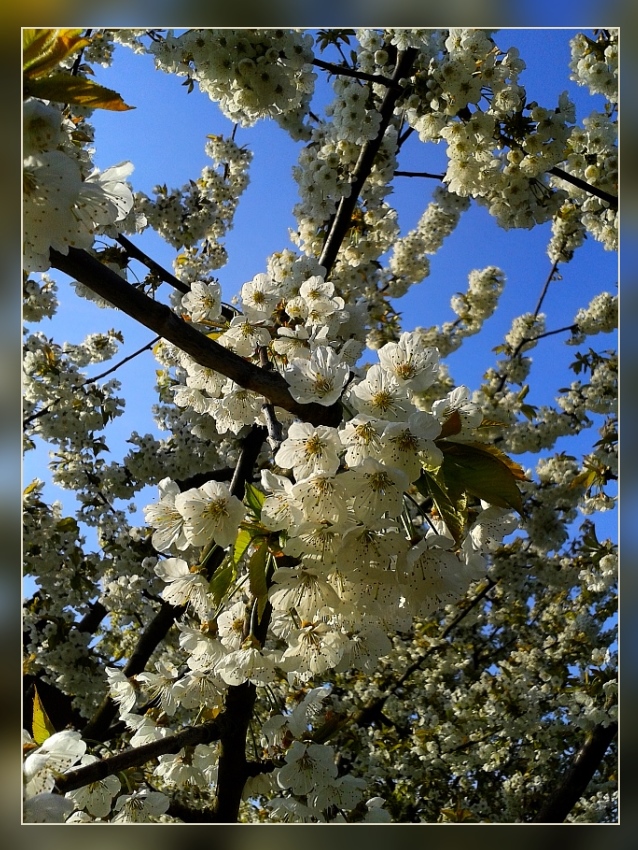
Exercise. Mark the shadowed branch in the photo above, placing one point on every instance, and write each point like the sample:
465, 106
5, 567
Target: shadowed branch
163, 321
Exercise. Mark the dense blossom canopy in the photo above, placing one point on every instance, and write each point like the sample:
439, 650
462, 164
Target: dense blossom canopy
348, 602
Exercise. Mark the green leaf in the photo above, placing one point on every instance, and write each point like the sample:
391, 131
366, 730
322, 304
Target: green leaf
333, 36
590, 541
64, 88
221, 581
41, 725
254, 499
67, 523
453, 512
44, 49
482, 471
587, 478
261, 607
257, 572
242, 542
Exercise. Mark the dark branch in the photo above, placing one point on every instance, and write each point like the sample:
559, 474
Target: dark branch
137, 756
90, 622
343, 217
586, 762
98, 727
345, 71
200, 478
418, 174
137, 254
612, 200
550, 277
232, 771
155, 632
557, 172
208, 353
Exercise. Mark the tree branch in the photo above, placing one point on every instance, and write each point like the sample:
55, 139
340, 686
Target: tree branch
586, 762
612, 200
232, 770
110, 370
155, 632
418, 174
92, 619
98, 726
136, 756
369, 150
208, 353
345, 71
550, 277
137, 254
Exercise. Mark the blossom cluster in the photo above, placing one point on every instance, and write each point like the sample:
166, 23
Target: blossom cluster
341, 506
334, 587
595, 63
250, 73
409, 260
202, 209
65, 202
592, 156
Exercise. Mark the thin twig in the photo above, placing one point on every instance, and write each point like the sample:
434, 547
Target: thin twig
418, 174
137, 254
88, 381
369, 150
550, 278
526, 340
345, 71
612, 200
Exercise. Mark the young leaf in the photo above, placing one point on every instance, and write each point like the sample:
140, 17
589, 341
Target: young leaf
44, 49
67, 523
242, 542
254, 498
64, 88
257, 571
451, 426
515, 468
482, 471
261, 607
41, 725
453, 512
221, 581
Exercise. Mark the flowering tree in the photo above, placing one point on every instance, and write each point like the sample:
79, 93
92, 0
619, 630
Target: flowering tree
349, 602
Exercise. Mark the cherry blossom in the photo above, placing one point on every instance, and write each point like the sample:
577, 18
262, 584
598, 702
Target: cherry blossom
210, 513
344, 600
321, 378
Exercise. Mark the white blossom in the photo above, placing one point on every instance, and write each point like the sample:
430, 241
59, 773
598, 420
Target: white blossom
319, 379
183, 586
210, 513
308, 450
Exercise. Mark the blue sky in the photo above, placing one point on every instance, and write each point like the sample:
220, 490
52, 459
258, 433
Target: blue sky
165, 136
